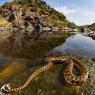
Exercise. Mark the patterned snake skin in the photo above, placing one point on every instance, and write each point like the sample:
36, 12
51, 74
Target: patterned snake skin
68, 73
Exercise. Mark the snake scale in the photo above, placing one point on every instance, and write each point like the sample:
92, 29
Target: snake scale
70, 78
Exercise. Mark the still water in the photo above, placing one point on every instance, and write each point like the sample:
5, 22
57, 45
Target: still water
77, 45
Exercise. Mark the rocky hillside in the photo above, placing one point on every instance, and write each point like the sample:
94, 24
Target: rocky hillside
23, 14
92, 27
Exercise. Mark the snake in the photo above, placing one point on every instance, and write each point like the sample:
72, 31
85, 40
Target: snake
68, 74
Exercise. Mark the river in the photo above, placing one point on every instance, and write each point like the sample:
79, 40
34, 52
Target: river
51, 82
77, 44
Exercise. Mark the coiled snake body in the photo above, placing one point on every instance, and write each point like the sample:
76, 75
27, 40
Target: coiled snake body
68, 73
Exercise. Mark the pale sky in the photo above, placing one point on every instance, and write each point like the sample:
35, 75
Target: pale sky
78, 11
2, 1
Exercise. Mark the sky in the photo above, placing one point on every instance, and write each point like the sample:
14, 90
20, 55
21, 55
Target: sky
2, 1
80, 12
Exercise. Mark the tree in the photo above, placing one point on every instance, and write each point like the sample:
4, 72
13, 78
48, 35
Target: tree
44, 3
61, 16
72, 25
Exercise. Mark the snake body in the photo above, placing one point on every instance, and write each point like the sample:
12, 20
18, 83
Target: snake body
68, 73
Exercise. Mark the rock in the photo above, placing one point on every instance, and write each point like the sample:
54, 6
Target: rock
29, 28
46, 29
55, 29
11, 17
28, 18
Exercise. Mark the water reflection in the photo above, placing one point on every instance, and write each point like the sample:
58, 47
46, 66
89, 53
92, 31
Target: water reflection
4, 60
78, 45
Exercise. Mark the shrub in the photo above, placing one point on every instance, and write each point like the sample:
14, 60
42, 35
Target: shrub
43, 3
72, 25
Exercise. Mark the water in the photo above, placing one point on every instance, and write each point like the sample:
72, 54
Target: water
77, 45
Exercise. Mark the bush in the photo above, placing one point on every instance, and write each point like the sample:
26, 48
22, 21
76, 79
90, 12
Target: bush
43, 3
23, 2
61, 16
72, 25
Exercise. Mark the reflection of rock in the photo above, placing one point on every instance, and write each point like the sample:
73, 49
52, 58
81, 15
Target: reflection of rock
29, 28
4, 35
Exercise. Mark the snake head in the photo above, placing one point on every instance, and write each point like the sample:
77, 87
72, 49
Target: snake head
49, 59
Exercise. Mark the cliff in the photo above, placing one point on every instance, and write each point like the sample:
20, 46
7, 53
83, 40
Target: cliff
21, 13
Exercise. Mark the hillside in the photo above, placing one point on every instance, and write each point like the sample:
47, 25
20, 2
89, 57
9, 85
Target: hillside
21, 13
91, 27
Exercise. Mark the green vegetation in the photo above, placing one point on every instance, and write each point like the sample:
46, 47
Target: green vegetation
92, 27
72, 25
60, 16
